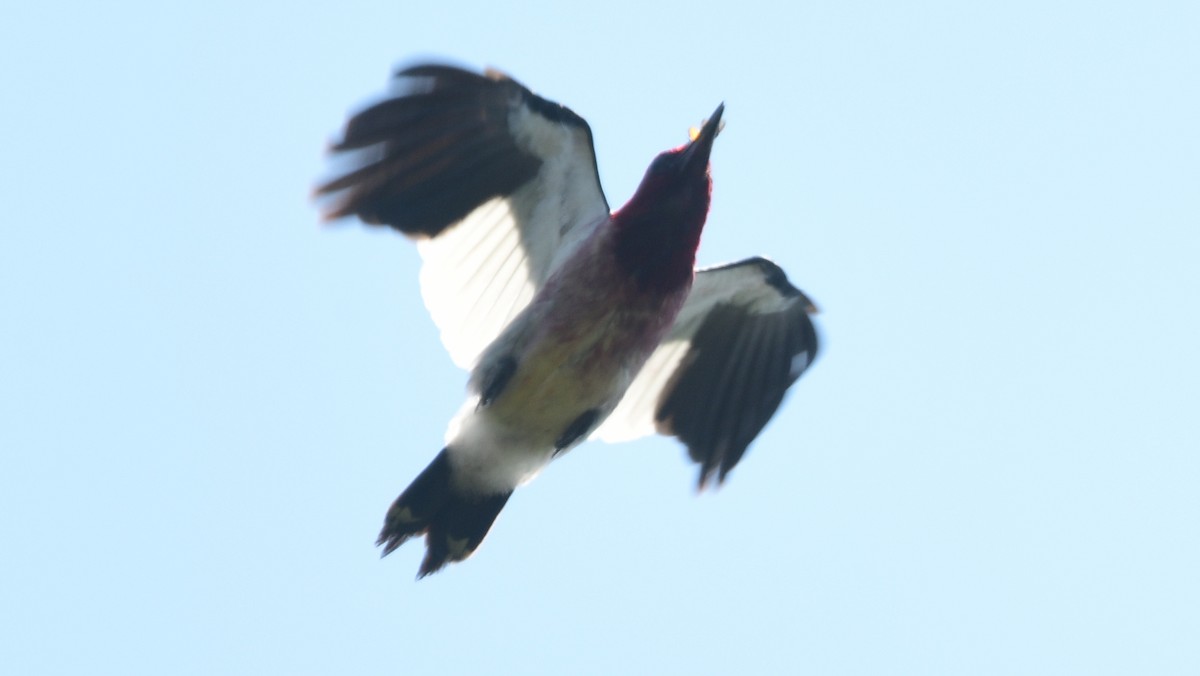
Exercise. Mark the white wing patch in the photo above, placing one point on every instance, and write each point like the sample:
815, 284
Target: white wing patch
634, 416
479, 274
563, 203
475, 279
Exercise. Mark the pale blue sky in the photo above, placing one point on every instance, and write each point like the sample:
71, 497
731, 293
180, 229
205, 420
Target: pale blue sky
209, 400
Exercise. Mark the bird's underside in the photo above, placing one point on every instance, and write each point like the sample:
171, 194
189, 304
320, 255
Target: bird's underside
576, 322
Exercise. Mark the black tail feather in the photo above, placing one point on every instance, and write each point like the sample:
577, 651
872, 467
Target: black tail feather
454, 523
412, 512
456, 532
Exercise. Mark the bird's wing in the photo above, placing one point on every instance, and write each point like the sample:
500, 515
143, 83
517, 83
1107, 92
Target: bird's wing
742, 338
495, 183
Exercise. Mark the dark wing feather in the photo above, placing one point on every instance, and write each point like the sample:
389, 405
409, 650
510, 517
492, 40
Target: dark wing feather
462, 161
743, 337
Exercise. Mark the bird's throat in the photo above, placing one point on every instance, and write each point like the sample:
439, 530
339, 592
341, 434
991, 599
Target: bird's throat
659, 255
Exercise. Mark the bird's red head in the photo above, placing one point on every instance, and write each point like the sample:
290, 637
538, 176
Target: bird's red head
659, 228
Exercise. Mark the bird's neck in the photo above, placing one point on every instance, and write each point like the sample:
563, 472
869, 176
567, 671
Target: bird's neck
657, 247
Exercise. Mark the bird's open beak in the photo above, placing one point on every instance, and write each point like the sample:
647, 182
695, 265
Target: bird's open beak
696, 154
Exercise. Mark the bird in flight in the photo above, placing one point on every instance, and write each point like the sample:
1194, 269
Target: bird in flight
576, 322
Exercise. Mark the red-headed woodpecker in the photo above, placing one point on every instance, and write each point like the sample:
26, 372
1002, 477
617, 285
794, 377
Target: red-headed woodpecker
575, 322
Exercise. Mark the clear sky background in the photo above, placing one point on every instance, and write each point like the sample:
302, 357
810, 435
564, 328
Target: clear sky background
209, 399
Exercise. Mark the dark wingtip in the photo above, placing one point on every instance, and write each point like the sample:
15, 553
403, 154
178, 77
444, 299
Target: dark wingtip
428, 153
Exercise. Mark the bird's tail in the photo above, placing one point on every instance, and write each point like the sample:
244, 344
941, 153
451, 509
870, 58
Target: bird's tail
454, 522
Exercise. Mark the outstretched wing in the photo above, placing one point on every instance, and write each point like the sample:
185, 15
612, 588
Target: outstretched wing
495, 183
742, 338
